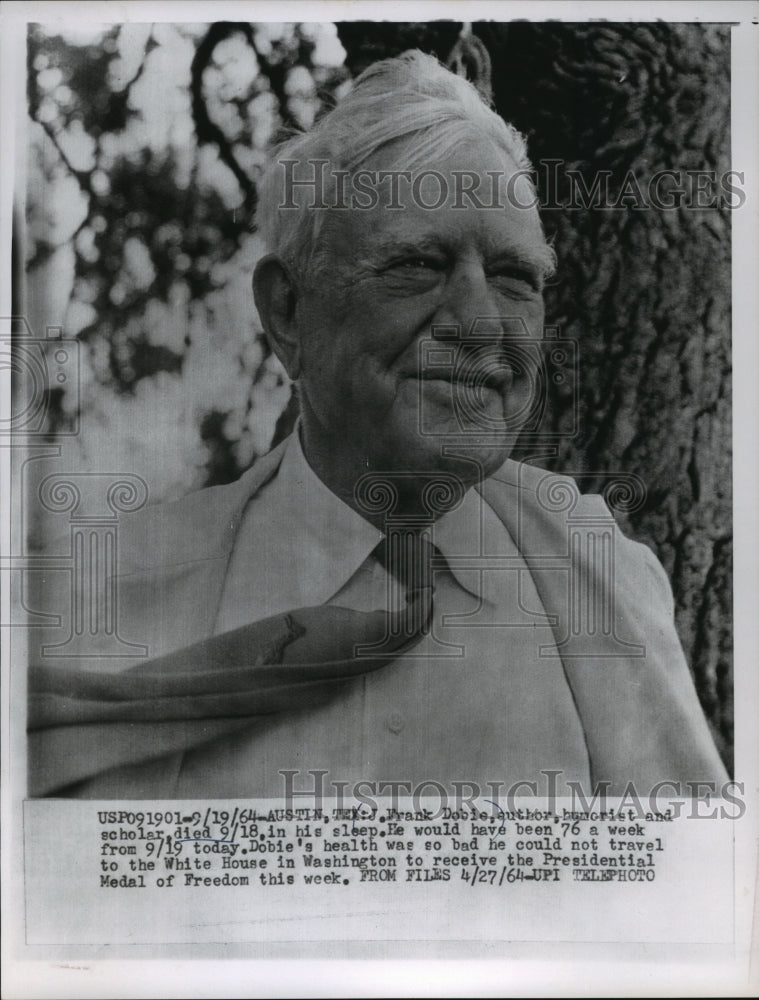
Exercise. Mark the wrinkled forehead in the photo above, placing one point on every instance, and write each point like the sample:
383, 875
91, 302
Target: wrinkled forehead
474, 191
432, 172
460, 158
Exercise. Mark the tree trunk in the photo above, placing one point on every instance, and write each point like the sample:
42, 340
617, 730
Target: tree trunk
645, 292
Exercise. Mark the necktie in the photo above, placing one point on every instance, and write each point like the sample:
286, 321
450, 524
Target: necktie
407, 556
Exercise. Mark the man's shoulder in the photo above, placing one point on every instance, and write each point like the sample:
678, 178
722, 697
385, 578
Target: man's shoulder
524, 476
545, 495
198, 526
553, 492
540, 507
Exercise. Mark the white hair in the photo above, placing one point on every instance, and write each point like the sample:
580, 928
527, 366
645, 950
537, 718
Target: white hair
412, 97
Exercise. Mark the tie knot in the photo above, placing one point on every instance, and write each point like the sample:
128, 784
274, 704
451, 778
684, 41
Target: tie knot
407, 555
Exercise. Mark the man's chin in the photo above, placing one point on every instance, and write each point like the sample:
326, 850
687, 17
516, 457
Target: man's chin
470, 458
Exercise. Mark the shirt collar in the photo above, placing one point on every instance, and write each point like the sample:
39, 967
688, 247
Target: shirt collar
472, 530
333, 539
337, 539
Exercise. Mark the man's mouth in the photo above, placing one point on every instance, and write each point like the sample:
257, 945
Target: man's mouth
471, 377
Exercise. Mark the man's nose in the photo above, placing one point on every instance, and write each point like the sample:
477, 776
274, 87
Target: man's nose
468, 302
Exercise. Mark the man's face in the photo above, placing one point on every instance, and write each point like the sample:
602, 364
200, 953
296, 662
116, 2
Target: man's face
393, 275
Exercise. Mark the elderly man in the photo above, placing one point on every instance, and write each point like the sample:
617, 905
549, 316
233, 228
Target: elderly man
386, 597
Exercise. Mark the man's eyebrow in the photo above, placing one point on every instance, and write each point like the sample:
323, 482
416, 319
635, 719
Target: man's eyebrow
516, 255
539, 259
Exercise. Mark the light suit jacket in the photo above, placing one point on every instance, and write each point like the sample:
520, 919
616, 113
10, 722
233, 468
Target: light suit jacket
622, 658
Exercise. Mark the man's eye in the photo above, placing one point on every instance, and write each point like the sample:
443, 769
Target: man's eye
422, 263
520, 281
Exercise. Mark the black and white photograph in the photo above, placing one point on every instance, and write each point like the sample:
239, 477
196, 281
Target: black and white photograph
379, 424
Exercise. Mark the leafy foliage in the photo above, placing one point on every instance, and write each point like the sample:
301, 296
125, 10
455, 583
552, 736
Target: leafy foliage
145, 146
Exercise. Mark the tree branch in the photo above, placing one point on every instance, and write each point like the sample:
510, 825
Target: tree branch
207, 130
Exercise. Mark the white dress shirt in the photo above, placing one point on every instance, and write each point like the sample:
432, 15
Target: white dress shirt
473, 701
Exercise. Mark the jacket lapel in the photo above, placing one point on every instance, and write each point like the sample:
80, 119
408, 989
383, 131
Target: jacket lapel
627, 673
173, 561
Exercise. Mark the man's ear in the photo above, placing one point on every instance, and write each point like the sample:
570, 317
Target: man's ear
275, 295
